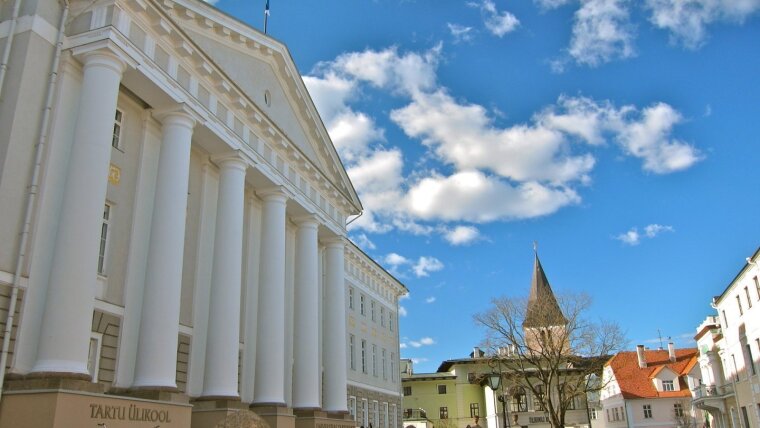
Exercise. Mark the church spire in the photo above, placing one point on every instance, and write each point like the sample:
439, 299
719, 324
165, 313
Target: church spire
543, 309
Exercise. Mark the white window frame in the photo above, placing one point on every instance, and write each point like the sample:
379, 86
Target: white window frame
668, 385
394, 415
98, 338
351, 298
647, 411
361, 305
393, 367
374, 360
382, 316
105, 225
352, 351
365, 412
118, 122
385, 415
364, 356
384, 361
375, 414
352, 406
372, 309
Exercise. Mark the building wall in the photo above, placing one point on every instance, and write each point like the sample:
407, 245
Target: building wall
165, 66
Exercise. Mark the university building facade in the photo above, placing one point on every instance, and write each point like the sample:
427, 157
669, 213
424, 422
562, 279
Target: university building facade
173, 243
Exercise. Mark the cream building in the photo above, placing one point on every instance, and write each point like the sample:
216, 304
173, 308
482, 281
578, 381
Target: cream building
729, 353
172, 225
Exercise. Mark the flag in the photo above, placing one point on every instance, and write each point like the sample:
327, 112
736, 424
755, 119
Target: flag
266, 16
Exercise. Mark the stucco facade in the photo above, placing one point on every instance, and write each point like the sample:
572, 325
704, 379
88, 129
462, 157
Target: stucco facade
173, 221
729, 346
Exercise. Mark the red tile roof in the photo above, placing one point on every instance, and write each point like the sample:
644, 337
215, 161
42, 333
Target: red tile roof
636, 382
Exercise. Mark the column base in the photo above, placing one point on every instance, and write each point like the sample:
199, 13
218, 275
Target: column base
275, 415
51, 402
309, 418
213, 413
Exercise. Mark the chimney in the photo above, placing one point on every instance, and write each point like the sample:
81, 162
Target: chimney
671, 352
476, 352
642, 357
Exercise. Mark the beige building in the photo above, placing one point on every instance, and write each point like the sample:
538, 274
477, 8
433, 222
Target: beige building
729, 353
173, 245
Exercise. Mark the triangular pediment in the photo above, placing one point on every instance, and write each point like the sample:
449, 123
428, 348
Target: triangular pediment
263, 69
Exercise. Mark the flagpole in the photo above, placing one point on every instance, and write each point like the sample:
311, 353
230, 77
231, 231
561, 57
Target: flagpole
266, 16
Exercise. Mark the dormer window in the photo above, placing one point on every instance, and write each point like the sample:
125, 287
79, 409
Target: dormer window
667, 385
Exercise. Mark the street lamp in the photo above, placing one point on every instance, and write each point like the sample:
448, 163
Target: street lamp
494, 380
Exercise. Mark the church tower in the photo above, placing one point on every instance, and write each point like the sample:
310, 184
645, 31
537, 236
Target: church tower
544, 325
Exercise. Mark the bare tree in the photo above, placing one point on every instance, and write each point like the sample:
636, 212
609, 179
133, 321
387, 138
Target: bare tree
549, 347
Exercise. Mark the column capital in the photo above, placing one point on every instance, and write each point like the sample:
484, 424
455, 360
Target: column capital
307, 220
101, 52
232, 159
335, 242
179, 114
274, 194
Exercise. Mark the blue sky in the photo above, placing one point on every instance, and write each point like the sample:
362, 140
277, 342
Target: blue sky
621, 135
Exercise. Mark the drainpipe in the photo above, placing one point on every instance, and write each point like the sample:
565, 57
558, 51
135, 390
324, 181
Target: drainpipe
8, 43
33, 187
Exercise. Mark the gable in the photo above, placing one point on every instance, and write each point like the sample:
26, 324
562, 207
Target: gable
256, 64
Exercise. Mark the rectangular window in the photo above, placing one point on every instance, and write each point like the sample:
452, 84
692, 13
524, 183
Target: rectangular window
93, 357
593, 413
608, 415
443, 413
384, 362
407, 390
667, 385
749, 301
441, 389
372, 310
736, 368
678, 410
361, 304
364, 356
407, 413
538, 398
474, 409
382, 316
385, 415
750, 361
117, 123
374, 360
375, 414
519, 401
365, 412
725, 319
745, 416
394, 415
390, 321
647, 411
739, 305
757, 287
352, 407
351, 298
103, 250
352, 351
393, 367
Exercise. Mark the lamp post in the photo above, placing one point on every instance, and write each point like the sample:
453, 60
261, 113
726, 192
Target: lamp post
494, 380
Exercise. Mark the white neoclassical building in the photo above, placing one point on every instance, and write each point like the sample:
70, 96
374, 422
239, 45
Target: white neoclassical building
173, 227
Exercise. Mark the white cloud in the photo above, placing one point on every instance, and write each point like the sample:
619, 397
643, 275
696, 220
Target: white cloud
394, 259
648, 138
686, 20
602, 32
363, 241
461, 33
402, 345
461, 235
634, 237
430, 299
402, 311
522, 170
425, 341
426, 265
551, 4
653, 230
496, 22
419, 360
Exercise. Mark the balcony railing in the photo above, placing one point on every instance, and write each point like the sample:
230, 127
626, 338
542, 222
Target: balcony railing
712, 391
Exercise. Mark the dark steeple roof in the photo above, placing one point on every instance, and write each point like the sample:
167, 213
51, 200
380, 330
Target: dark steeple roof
543, 309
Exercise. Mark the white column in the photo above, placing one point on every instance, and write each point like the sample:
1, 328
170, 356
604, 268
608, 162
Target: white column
223, 339
269, 387
334, 399
67, 320
306, 373
156, 364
